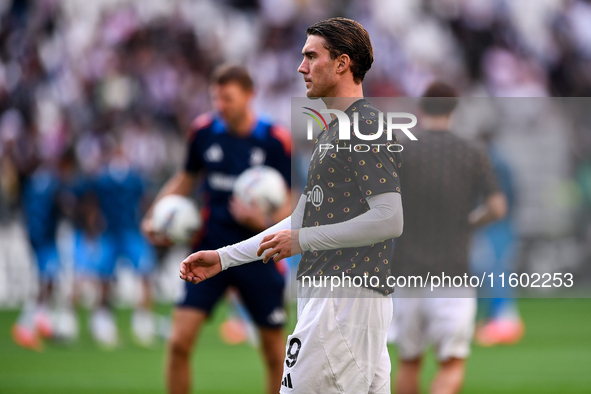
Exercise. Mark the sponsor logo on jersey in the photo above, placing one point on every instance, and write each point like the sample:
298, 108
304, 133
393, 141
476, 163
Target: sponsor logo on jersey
214, 154
315, 196
257, 156
221, 182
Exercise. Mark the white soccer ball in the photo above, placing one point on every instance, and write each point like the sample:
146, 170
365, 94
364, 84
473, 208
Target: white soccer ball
263, 186
177, 217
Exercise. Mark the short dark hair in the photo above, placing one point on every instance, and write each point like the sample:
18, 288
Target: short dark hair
439, 99
227, 73
345, 36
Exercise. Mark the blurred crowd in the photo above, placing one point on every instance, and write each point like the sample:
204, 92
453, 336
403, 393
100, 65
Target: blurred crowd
128, 76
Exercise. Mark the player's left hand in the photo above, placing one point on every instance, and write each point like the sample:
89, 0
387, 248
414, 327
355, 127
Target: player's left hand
200, 266
155, 238
282, 244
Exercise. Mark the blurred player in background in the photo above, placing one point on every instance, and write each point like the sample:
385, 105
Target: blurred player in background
42, 210
220, 146
74, 188
119, 191
344, 223
90, 244
494, 250
443, 179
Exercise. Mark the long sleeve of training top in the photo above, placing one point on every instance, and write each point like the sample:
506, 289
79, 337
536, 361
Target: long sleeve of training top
246, 251
384, 220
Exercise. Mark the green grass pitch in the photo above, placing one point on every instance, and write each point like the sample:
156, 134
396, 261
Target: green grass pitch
554, 356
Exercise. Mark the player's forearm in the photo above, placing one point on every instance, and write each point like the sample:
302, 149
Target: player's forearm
495, 208
246, 251
384, 220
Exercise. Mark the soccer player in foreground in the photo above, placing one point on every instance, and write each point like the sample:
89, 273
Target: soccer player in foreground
221, 146
343, 224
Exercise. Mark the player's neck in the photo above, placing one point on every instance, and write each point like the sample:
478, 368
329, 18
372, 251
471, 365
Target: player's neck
436, 123
243, 126
344, 95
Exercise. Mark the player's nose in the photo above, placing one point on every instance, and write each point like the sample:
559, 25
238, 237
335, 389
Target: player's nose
303, 67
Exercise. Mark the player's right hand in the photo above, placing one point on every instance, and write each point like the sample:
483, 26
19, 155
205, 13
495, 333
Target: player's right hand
250, 216
200, 266
154, 237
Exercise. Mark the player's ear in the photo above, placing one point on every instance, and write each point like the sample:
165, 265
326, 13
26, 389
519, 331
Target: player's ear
343, 63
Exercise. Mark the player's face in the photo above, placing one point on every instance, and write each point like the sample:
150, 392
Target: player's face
231, 100
318, 69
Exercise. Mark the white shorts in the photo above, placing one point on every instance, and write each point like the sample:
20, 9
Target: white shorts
339, 344
446, 323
